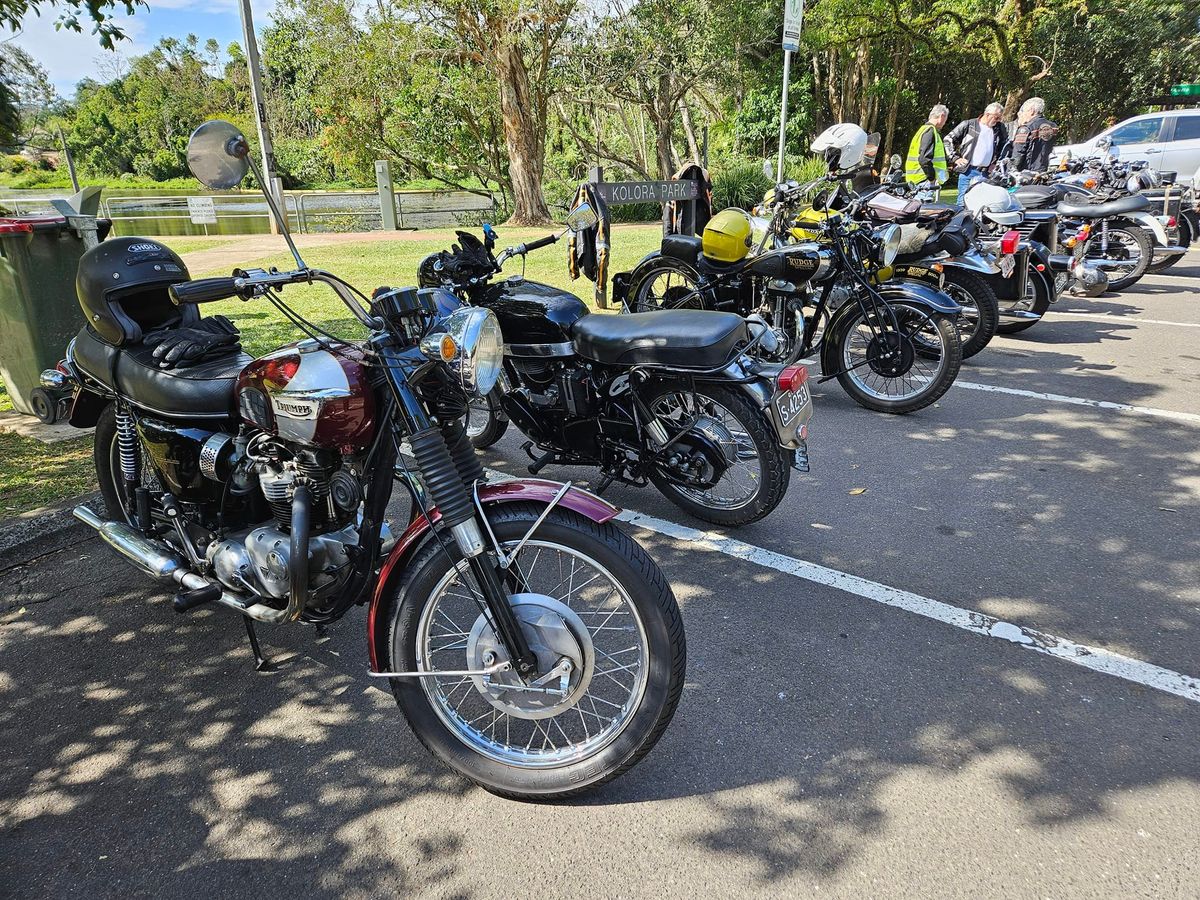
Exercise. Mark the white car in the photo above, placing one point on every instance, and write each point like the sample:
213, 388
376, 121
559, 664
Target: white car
1169, 141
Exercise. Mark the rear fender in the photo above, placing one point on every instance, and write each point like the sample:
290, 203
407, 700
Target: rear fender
527, 490
86, 408
1151, 224
910, 292
1189, 227
972, 261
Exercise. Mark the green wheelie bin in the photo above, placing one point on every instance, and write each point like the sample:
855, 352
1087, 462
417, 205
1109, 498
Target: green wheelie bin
39, 312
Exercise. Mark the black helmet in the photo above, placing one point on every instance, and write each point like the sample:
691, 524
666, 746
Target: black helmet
122, 286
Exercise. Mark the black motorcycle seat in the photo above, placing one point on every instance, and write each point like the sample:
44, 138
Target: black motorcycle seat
683, 338
1083, 210
1035, 196
682, 246
201, 391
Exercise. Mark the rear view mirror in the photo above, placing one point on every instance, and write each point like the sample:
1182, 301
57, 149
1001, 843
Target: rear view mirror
581, 218
218, 155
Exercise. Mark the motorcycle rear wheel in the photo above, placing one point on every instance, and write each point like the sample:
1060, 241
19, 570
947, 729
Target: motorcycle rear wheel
1136, 247
754, 484
980, 317
1038, 294
657, 283
514, 743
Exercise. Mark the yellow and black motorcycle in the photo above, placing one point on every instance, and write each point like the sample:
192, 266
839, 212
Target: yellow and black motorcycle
892, 347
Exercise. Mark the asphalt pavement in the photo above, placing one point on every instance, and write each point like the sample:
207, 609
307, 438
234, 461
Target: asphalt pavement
890, 691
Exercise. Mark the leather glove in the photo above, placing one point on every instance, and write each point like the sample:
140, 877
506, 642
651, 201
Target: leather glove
210, 338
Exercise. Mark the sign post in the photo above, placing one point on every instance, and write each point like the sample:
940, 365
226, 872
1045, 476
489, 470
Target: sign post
793, 16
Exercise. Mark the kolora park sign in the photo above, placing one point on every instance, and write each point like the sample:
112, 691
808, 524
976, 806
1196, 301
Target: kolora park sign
618, 192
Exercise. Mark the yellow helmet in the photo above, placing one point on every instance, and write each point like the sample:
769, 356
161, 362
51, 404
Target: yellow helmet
727, 236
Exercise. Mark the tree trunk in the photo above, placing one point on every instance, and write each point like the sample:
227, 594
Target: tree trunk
522, 136
664, 119
693, 145
894, 108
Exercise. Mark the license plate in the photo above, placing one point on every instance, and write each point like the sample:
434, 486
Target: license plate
792, 409
1008, 265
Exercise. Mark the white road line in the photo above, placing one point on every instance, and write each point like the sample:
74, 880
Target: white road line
1189, 418
1095, 658
1132, 320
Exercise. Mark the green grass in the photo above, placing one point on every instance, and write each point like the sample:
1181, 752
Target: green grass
33, 474
193, 244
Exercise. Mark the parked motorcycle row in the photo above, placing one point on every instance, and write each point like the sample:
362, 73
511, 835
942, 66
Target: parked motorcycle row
532, 644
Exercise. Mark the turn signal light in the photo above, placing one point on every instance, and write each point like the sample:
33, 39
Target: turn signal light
1008, 243
792, 378
1089, 183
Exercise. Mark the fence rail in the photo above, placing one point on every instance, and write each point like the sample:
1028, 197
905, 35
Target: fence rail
247, 213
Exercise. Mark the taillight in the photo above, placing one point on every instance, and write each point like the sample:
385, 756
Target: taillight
793, 378
1171, 223
1040, 267
1008, 243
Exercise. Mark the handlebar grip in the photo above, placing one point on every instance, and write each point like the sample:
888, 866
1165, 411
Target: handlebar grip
204, 290
541, 242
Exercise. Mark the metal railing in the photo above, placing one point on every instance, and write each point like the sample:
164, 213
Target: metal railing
247, 212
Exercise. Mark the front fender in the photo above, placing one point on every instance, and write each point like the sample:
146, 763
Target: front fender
1151, 224
526, 490
908, 292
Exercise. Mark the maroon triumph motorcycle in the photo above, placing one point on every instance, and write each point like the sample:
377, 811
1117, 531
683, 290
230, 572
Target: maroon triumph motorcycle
532, 645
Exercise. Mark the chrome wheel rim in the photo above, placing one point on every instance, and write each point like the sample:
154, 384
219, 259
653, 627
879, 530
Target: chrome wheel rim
604, 697
742, 480
919, 328
1133, 254
479, 416
968, 320
659, 289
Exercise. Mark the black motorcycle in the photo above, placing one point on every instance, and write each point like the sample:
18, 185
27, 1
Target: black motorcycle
893, 348
669, 398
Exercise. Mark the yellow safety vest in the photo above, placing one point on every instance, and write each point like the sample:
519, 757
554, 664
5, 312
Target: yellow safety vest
913, 173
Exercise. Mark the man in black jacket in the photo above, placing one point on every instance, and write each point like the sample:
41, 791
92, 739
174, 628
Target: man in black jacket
1033, 141
975, 145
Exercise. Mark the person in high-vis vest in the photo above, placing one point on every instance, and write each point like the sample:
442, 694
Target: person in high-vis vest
926, 161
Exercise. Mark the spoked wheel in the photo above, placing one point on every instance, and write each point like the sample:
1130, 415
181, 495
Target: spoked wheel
109, 473
486, 421
1038, 294
980, 314
664, 284
898, 372
601, 618
727, 466
1128, 245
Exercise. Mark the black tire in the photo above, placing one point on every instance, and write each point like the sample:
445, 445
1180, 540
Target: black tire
486, 421
772, 459
650, 595
949, 361
1039, 293
1127, 235
981, 310
646, 294
1185, 240
45, 407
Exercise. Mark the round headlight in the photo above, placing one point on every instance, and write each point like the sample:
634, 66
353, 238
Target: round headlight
480, 347
889, 244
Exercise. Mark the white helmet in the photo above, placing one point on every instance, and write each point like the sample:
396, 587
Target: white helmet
994, 203
843, 146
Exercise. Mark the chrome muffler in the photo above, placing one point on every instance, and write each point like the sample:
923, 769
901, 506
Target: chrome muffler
158, 560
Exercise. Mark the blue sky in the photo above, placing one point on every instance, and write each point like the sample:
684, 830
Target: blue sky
68, 57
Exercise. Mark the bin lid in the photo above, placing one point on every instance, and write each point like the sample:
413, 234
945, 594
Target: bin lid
30, 224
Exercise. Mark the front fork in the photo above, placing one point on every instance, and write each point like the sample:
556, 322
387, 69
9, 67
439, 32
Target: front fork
445, 470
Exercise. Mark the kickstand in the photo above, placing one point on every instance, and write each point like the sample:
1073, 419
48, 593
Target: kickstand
261, 664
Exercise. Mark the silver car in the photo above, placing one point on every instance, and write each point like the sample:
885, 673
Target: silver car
1169, 141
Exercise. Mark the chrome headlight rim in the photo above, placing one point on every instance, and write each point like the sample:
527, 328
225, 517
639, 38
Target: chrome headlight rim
477, 351
889, 244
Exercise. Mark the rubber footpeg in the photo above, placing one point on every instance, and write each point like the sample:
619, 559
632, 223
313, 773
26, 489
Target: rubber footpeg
186, 600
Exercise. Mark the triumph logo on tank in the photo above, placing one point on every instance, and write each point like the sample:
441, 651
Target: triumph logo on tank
296, 409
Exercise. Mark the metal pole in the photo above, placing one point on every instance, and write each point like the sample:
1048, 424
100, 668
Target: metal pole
260, 108
70, 162
787, 73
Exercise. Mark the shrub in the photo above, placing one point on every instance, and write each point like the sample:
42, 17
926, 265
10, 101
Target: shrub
740, 183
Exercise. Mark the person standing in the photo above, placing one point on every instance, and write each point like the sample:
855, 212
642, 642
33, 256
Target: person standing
1033, 141
927, 153
975, 145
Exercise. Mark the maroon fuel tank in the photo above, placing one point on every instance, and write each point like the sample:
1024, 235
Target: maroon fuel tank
306, 394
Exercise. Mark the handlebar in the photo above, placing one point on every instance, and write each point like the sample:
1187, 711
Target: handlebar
204, 290
539, 243
258, 282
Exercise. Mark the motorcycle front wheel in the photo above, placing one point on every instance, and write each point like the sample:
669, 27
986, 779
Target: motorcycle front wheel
486, 421
898, 372
727, 467
603, 621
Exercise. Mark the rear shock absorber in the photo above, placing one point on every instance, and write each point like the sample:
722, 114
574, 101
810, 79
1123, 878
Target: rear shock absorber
127, 447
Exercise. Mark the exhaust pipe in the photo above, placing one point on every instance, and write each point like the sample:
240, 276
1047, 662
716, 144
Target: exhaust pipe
158, 560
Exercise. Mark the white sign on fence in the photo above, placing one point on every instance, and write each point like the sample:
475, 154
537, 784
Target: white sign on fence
793, 15
202, 210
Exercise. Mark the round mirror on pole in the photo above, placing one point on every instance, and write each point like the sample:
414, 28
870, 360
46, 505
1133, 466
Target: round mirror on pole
218, 154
